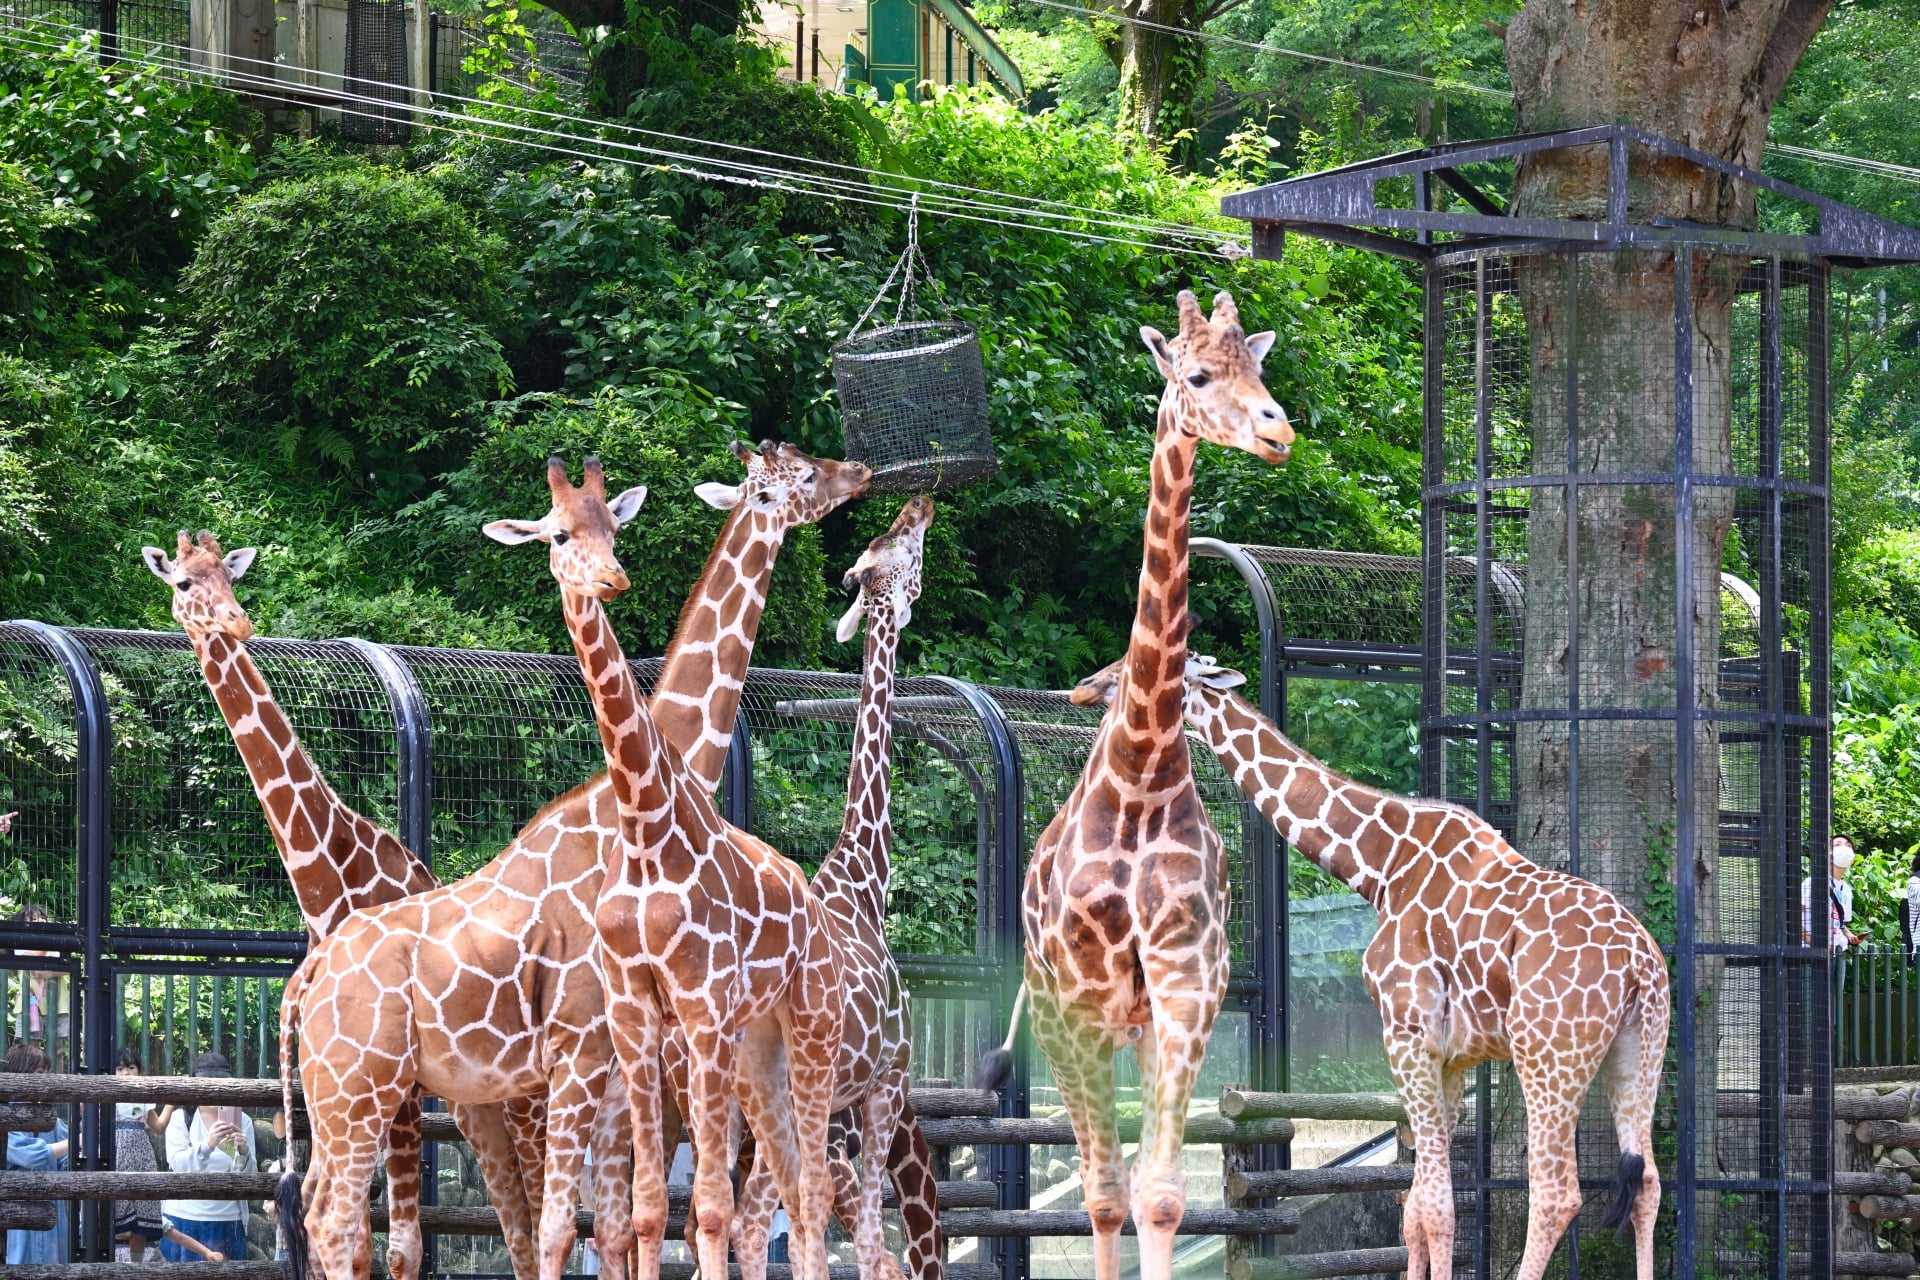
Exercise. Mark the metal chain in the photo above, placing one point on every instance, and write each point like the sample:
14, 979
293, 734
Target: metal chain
907, 303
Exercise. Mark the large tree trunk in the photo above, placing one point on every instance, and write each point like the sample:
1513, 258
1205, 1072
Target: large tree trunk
1160, 72
1706, 75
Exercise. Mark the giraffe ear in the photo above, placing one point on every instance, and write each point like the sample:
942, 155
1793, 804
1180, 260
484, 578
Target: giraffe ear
238, 562
724, 496
513, 532
1207, 673
1162, 353
1260, 344
627, 505
157, 562
850, 620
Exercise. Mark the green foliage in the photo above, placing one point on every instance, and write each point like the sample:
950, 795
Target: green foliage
356, 312
134, 165
668, 436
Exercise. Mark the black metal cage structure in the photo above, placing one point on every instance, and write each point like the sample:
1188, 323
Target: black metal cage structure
1625, 659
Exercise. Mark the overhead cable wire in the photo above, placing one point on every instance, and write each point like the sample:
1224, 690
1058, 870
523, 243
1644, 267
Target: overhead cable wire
1027, 206
767, 177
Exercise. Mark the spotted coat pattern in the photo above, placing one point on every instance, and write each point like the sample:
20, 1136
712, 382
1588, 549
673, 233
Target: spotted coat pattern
1481, 955
338, 861
1125, 901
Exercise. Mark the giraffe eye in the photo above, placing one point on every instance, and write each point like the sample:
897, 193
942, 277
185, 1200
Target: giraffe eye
560, 539
1200, 379
180, 584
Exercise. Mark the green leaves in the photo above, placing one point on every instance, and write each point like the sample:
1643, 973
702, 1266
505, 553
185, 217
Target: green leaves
356, 313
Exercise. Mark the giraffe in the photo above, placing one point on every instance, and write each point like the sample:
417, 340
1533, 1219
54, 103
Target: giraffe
851, 887
1124, 905
701, 925
1480, 955
578, 832
338, 860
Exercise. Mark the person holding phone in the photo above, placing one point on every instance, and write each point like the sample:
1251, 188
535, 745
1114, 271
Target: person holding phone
208, 1140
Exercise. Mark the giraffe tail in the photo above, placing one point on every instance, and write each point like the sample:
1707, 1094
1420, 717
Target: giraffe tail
997, 1067
1626, 1189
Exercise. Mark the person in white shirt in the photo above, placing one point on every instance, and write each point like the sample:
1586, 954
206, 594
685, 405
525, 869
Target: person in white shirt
209, 1140
1839, 900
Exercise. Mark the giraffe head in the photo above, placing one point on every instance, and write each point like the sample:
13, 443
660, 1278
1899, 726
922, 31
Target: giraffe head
578, 530
785, 487
1097, 690
1213, 368
202, 580
887, 573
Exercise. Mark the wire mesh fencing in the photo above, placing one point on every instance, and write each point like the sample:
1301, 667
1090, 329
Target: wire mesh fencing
1626, 680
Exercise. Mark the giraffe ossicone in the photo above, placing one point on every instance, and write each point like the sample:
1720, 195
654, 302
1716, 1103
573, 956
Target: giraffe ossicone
1480, 955
1125, 900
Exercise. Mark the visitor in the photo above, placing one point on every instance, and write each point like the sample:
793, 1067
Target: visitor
136, 1222
208, 1140
1910, 909
1839, 897
38, 1153
277, 1165
43, 1008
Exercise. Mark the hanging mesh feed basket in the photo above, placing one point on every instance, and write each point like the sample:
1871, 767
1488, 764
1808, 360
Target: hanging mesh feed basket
377, 69
913, 405
913, 394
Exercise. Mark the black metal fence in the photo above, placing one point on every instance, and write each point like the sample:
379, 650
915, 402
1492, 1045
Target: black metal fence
141, 840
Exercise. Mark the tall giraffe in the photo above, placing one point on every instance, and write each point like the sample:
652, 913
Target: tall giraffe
338, 861
1125, 902
700, 925
576, 835
851, 887
1480, 955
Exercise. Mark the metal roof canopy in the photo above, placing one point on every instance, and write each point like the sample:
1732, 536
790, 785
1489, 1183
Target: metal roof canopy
1343, 205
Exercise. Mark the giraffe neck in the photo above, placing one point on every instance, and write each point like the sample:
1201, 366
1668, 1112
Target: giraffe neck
1313, 808
333, 869
866, 835
628, 737
1152, 746
706, 665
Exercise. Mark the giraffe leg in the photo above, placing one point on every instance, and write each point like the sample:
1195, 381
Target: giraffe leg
404, 1245
611, 1139
527, 1125
1084, 1076
1632, 1069
811, 1028
638, 1033
880, 1118
1552, 1083
353, 1135
846, 1179
753, 1218
1170, 1054
918, 1192
709, 1086
573, 1095
485, 1128
1427, 1222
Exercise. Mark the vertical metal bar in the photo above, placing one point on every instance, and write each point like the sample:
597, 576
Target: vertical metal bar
1617, 180
219, 1010
412, 745
269, 1059
1010, 1167
167, 1016
1271, 962
1775, 839
93, 835
1433, 532
1572, 261
1685, 1100
736, 775
193, 1019
1819, 644
146, 1023
1483, 706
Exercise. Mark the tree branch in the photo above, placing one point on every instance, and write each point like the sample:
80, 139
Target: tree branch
1799, 22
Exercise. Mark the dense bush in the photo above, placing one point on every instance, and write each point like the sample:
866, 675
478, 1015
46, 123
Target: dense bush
357, 312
